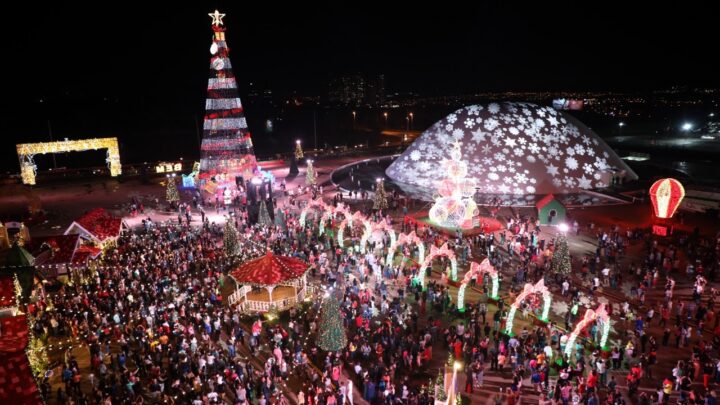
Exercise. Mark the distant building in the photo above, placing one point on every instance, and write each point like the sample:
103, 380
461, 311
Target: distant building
357, 90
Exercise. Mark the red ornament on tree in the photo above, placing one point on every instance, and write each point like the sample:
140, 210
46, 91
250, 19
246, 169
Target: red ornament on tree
666, 195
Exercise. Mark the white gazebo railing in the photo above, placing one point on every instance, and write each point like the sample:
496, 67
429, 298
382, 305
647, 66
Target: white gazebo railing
265, 306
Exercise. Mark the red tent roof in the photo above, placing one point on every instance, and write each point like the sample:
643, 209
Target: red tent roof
17, 384
7, 291
545, 201
100, 223
63, 248
269, 270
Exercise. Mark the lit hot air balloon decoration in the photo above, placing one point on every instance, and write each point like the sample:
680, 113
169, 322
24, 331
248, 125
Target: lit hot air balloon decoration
666, 195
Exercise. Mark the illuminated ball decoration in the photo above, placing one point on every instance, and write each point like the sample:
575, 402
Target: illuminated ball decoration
453, 208
666, 195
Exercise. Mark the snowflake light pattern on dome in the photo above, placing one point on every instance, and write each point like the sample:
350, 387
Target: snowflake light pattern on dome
556, 152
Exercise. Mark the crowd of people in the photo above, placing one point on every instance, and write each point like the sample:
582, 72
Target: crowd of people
152, 318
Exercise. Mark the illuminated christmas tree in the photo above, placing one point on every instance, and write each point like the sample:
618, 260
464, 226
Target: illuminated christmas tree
298, 150
230, 239
560, 263
331, 333
171, 193
263, 215
380, 201
226, 151
310, 176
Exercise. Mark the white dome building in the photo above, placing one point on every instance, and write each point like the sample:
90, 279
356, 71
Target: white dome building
512, 149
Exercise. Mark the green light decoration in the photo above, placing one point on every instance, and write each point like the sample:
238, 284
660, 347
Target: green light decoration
560, 263
331, 336
478, 270
264, 215
231, 246
310, 175
590, 316
539, 287
171, 193
606, 324
380, 201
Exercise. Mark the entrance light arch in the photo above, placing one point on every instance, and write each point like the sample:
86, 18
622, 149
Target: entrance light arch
443, 250
406, 239
478, 270
600, 314
26, 153
371, 227
537, 288
356, 217
317, 203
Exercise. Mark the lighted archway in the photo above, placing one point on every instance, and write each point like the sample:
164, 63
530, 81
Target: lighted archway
406, 239
443, 250
317, 204
529, 289
601, 315
356, 217
371, 227
478, 270
332, 212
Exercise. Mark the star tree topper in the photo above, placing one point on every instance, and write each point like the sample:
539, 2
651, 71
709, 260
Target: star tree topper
217, 18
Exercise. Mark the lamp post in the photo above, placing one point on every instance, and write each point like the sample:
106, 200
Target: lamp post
687, 126
620, 127
385, 114
354, 113
411, 120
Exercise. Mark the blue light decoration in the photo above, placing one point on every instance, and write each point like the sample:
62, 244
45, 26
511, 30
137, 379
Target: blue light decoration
190, 180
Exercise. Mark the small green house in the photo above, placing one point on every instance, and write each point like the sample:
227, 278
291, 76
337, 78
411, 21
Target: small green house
550, 210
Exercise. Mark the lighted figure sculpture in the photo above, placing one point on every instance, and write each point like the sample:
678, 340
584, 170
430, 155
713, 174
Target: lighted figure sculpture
404, 239
601, 315
666, 195
435, 252
455, 208
317, 204
371, 227
529, 289
478, 270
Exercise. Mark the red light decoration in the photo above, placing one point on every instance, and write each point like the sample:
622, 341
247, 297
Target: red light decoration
666, 195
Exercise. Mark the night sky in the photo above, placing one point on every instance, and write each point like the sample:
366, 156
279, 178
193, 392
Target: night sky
142, 50
152, 61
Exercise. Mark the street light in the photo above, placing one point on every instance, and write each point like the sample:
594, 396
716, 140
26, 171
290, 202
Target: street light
620, 127
687, 126
354, 113
563, 227
411, 119
385, 114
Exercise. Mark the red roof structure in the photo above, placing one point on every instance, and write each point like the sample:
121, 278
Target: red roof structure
544, 201
63, 248
7, 291
17, 384
269, 270
98, 225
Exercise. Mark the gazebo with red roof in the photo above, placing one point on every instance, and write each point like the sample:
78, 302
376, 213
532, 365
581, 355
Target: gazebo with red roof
269, 281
